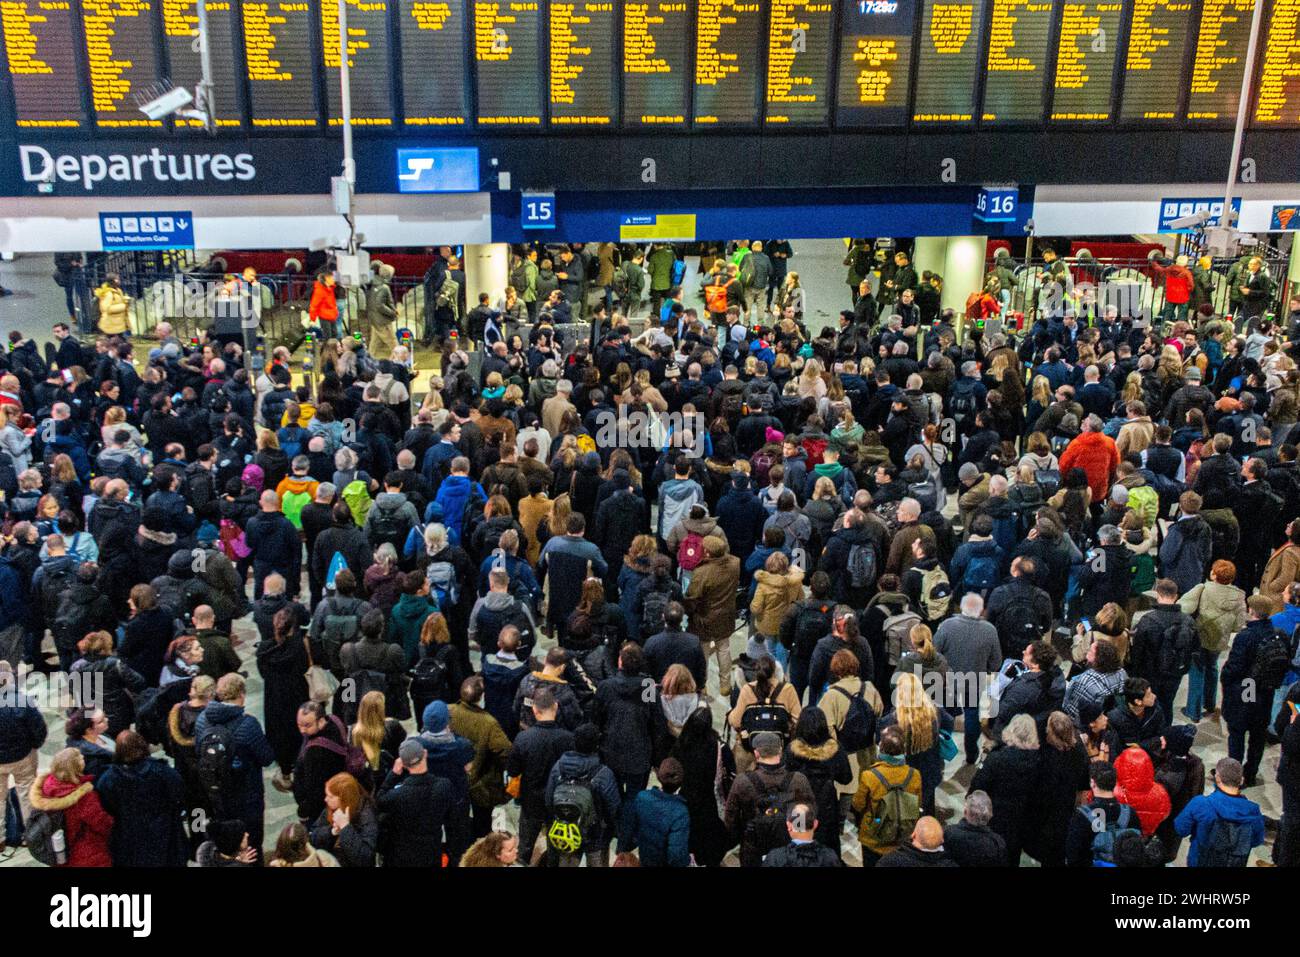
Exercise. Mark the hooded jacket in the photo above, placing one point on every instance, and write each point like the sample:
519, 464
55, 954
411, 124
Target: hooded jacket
251, 752
676, 496
627, 719
1138, 788
86, 825
773, 597
604, 787
711, 595
146, 801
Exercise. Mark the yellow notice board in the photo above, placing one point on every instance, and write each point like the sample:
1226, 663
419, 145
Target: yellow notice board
672, 227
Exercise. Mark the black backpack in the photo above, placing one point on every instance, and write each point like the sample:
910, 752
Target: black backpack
811, 625
1018, 627
859, 728
1180, 643
653, 604
766, 830
387, 525
1272, 662
215, 763
765, 714
429, 679
1225, 844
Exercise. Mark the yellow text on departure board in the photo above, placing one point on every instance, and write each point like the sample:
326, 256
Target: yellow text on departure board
785, 84
110, 82
1280, 73
1215, 49
1002, 36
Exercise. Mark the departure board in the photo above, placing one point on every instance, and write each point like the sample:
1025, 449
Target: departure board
1018, 36
180, 27
584, 86
507, 54
1153, 68
435, 86
799, 43
1086, 46
875, 61
1220, 59
122, 59
368, 62
41, 56
1277, 101
656, 56
728, 44
277, 44
948, 63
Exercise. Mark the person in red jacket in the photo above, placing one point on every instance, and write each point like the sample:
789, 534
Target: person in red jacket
86, 825
1094, 452
1178, 289
323, 310
1138, 788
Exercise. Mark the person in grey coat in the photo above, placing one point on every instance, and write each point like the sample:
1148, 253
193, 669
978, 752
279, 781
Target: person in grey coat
971, 646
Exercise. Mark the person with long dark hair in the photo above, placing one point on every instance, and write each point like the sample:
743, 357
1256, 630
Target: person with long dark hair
825, 764
282, 663
708, 770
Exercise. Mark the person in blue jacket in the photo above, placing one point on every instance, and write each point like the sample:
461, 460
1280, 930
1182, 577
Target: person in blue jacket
454, 494
657, 822
1213, 844
250, 751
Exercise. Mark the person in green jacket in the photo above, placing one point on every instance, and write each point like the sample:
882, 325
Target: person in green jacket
407, 618
631, 283
523, 276
487, 777
660, 266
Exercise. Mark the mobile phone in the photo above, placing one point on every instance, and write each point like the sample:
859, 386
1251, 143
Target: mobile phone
1087, 624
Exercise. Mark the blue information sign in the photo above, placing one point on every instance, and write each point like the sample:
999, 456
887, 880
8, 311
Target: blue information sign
997, 204
1176, 208
166, 229
537, 210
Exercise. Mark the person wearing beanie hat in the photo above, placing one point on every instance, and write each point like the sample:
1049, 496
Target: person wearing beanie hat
566, 842
416, 808
1100, 740
448, 756
1182, 774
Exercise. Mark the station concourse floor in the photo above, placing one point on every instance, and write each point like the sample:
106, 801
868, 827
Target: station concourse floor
37, 303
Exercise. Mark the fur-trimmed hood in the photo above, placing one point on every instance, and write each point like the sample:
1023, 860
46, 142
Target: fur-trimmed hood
50, 794
822, 752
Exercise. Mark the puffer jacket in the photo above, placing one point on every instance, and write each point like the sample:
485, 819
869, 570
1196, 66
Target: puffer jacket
1138, 788
113, 310
86, 825
773, 598
1219, 610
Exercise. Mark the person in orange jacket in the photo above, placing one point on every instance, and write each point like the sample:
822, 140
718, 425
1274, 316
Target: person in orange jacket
324, 308
1138, 789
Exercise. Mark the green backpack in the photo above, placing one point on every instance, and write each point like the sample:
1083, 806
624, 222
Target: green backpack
896, 813
357, 497
936, 593
292, 504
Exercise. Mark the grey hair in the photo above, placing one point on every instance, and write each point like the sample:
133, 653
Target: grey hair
1094, 423
386, 554
1021, 733
998, 484
1108, 534
911, 504
435, 538
972, 605
345, 459
901, 348
969, 368
979, 808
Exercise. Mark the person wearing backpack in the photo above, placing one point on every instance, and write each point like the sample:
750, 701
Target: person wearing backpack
372, 664
1255, 669
977, 564
1165, 643
22, 732
887, 803
764, 704
536, 750
804, 624
336, 621
392, 517
814, 752
1019, 609
1224, 825
759, 800
322, 754
232, 751
414, 806
1094, 826
296, 491
926, 583
68, 794
852, 559
582, 803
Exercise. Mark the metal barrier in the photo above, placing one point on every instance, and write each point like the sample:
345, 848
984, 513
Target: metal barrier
1134, 283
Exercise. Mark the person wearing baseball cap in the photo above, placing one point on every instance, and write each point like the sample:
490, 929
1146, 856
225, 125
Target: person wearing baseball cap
416, 808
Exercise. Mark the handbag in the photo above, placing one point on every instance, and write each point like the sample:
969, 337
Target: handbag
947, 746
321, 685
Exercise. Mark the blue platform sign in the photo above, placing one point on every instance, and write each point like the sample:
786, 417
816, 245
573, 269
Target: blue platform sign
537, 210
1173, 208
167, 229
997, 204
435, 170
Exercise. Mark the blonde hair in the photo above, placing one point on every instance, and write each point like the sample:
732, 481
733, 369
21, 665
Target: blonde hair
825, 488
68, 766
368, 732
914, 713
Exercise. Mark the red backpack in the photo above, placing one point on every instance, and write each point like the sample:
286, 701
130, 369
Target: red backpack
690, 552
813, 447
715, 297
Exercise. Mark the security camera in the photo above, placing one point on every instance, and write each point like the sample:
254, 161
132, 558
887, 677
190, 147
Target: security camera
1029, 227
1192, 221
164, 105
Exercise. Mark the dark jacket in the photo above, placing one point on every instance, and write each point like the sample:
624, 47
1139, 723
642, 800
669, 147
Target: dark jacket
276, 546
1148, 655
147, 802
1010, 778
415, 808
626, 715
572, 765
1244, 705
22, 728
356, 844
909, 856
1145, 731
742, 803
670, 648
659, 826
1035, 693
315, 765
250, 753
120, 683
819, 668
144, 643
535, 752
971, 845
812, 854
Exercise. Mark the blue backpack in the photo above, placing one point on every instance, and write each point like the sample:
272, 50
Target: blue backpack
981, 574
1103, 842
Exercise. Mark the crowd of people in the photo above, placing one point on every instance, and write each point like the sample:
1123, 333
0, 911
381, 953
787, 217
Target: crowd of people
718, 591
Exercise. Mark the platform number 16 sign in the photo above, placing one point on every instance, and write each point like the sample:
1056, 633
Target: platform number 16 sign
996, 204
